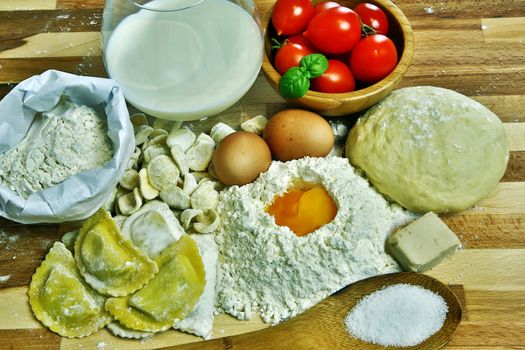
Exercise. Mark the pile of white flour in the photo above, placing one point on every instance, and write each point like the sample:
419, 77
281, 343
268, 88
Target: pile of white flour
63, 142
268, 268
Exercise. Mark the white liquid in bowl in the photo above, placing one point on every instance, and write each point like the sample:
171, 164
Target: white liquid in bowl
185, 65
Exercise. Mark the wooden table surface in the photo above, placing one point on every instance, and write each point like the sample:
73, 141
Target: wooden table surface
474, 47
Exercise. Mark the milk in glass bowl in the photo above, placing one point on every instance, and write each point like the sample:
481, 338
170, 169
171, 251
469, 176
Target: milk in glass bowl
182, 59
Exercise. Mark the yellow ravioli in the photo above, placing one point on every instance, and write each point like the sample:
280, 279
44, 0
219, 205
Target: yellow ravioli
110, 264
172, 294
61, 300
134, 319
120, 331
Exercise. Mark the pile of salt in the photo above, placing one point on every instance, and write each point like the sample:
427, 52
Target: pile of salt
398, 315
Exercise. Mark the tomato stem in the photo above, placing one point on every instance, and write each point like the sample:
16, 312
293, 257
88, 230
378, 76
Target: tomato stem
277, 44
367, 30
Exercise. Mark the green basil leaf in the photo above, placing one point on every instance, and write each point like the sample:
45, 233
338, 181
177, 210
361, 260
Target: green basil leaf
315, 63
294, 83
305, 72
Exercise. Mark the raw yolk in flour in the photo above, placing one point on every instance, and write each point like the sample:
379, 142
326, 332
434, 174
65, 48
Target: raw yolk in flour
303, 210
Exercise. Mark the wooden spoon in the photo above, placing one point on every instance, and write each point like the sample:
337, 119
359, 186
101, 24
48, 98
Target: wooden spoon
322, 327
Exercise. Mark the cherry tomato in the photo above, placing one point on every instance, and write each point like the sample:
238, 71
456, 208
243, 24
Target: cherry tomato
322, 6
343, 57
373, 16
290, 17
337, 78
289, 55
336, 30
373, 58
300, 39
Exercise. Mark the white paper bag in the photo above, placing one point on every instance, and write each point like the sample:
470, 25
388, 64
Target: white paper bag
80, 195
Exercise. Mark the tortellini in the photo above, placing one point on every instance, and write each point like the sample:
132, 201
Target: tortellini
162, 172
130, 179
201, 220
130, 202
200, 153
205, 196
255, 124
142, 132
171, 164
183, 138
220, 131
148, 191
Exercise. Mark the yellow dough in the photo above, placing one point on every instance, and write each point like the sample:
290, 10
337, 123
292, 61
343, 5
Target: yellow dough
111, 264
430, 149
132, 318
61, 299
120, 331
171, 294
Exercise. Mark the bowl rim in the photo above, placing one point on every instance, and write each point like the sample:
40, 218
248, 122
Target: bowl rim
382, 85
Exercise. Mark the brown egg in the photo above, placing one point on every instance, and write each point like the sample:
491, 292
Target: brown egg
296, 133
240, 157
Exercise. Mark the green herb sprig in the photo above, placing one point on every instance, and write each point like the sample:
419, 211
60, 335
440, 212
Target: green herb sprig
296, 81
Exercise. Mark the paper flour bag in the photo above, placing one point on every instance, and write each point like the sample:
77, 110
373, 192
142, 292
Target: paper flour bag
21, 121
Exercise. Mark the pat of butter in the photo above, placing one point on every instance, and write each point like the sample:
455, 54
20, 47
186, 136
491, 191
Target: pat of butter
422, 244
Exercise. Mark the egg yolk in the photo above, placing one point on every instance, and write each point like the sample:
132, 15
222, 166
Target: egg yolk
303, 210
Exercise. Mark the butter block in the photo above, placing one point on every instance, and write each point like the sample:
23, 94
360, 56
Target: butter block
422, 244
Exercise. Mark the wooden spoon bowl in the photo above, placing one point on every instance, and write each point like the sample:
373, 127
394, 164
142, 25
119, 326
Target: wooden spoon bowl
337, 104
322, 327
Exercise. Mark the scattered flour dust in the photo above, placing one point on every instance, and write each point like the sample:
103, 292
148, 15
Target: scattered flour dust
4, 278
268, 268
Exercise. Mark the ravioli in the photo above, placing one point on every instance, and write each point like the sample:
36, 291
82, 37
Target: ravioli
130, 317
61, 300
111, 264
172, 294
120, 331
153, 228
200, 320
69, 239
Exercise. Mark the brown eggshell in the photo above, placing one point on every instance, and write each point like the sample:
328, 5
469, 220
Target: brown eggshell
240, 157
296, 133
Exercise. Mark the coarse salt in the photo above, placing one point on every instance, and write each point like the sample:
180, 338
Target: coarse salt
398, 315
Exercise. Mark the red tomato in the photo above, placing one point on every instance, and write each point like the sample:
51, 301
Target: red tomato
323, 6
289, 55
336, 30
337, 78
300, 39
373, 58
373, 16
343, 57
290, 17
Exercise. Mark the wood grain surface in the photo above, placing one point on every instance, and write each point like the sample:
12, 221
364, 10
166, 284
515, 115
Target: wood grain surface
321, 326
474, 47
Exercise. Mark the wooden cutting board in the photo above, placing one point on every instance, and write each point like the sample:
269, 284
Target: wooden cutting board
474, 47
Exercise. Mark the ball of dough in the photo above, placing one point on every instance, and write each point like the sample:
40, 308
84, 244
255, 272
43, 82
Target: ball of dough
430, 149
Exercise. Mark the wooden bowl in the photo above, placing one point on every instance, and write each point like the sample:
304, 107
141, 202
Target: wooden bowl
337, 104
